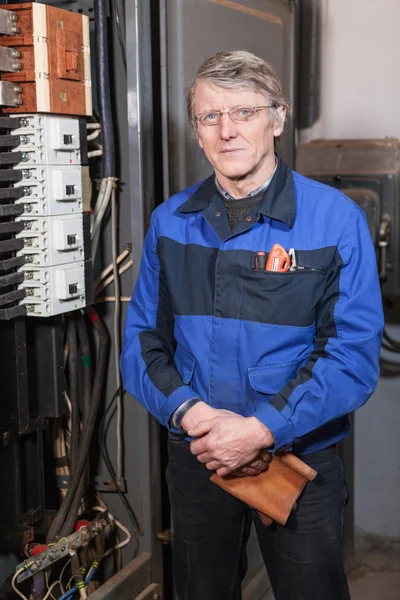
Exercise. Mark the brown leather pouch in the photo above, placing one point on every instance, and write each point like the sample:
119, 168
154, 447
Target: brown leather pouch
274, 492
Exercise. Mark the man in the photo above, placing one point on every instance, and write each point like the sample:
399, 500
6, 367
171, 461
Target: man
245, 360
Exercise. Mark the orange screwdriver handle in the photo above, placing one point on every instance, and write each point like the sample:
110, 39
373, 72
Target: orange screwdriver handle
278, 259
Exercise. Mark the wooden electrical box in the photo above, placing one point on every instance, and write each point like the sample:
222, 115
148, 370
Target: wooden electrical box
55, 60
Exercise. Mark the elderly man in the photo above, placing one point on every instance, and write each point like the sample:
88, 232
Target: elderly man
245, 358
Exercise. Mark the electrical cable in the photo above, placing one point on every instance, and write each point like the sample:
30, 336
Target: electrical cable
128, 534
117, 334
112, 299
87, 433
103, 90
102, 205
88, 578
14, 586
93, 126
104, 452
108, 269
94, 135
73, 391
392, 345
110, 279
62, 574
84, 346
47, 584
94, 153
119, 31
99, 213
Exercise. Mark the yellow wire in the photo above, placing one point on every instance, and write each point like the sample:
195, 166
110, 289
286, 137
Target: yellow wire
47, 584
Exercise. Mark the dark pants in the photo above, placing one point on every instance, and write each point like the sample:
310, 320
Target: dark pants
211, 529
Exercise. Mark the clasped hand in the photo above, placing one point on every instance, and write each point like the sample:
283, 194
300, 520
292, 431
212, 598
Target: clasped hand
226, 442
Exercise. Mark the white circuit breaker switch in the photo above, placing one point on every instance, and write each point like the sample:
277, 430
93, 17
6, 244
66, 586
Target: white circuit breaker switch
64, 135
68, 234
50, 241
69, 283
53, 290
51, 190
66, 184
48, 140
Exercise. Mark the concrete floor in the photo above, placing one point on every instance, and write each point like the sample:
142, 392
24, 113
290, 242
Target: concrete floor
377, 576
374, 576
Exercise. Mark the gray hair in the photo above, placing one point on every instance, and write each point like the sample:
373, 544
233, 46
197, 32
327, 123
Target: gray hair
236, 70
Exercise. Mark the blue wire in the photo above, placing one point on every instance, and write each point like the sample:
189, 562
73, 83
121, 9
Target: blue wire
72, 591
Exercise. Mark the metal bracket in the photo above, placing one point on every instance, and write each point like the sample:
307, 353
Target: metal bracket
8, 19
9, 59
10, 94
101, 485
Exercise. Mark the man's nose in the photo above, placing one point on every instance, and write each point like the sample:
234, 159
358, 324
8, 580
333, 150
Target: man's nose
227, 128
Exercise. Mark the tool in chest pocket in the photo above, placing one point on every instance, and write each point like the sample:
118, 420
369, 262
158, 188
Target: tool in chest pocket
279, 260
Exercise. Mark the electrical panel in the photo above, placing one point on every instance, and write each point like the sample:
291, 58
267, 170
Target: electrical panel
368, 172
49, 56
45, 259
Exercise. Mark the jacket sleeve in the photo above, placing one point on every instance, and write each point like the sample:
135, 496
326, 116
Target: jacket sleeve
147, 360
343, 369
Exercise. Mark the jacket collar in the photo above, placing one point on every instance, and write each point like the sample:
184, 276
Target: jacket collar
278, 201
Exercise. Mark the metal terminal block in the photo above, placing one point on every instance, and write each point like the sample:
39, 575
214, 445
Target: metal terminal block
10, 94
8, 60
66, 546
8, 18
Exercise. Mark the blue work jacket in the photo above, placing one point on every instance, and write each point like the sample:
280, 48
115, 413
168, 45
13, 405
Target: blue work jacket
299, 350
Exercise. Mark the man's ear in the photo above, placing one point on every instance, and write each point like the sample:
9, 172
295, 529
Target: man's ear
279, 125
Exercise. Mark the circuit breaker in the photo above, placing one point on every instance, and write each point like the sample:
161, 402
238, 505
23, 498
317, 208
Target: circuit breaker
45, 260
52, 48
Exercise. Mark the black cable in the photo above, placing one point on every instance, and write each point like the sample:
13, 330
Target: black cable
395, 344
103, 88
87, 433
104, 452
84, 347
117, 19
389, 348
73, 391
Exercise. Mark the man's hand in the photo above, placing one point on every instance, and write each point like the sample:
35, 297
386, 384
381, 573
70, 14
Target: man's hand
257, 466
230, 443
202, 412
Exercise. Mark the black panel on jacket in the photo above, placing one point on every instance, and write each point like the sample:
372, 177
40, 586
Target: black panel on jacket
205, 281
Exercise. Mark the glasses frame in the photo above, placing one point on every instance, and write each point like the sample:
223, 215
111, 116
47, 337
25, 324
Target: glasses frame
256, 109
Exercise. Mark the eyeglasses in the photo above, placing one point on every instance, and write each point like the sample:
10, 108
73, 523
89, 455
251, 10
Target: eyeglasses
239, 114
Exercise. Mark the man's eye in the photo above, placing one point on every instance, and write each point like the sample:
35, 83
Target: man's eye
211, 117
245, 112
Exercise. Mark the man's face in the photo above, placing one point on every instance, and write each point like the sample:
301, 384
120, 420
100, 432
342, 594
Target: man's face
235, 150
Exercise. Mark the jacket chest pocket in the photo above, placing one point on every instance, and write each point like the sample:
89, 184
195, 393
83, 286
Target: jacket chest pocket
282, 298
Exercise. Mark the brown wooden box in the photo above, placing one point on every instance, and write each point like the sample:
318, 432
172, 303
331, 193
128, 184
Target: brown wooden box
55, 60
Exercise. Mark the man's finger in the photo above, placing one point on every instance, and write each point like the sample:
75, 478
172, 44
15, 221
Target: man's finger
202, 428
205, 457
223, 471
265, 456
248, 471
259, 465
213, 465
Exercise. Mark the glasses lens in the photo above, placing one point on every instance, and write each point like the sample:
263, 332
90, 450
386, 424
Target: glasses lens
242, 113
212, 118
